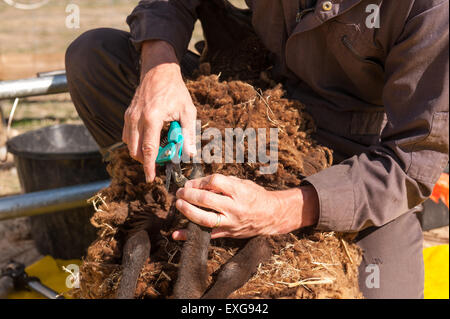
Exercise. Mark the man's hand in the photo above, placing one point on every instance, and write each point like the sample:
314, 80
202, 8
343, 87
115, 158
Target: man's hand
246, 208
161, 97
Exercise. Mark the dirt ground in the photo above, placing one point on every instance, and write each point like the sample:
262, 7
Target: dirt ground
32, 42
35, 41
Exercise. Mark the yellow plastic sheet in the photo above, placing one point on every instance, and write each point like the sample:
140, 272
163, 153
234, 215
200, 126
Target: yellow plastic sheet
436, 272
51, 273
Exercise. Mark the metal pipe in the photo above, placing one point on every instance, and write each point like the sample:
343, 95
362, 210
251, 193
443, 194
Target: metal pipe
50, 73
48, 201
33, 87
36, 285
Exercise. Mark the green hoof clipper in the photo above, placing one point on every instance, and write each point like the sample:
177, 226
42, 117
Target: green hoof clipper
172, 146
169, 154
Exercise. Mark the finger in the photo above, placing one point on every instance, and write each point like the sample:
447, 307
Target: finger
180, 234
126, 124
215, 182
150, 146
222, 233
125, 131
199, 216
140, 155
124, 137
133, 133
131, 118
206, 199
219, 233
188, 122
126, 121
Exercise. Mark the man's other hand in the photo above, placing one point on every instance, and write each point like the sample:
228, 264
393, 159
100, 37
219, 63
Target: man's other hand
246, 208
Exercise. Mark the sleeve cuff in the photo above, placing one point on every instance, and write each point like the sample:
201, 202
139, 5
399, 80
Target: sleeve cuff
336, 198
165, 25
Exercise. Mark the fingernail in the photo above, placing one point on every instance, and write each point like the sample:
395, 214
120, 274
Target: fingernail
178, 235
178, 193
178, 204
149, 178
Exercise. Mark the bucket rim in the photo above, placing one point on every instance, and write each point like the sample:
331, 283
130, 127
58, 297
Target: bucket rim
42, 155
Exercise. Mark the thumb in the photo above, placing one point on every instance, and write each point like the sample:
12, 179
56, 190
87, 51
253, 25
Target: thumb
180, 234
188, 122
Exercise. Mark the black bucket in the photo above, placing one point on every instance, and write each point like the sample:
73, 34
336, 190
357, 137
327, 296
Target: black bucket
54, 157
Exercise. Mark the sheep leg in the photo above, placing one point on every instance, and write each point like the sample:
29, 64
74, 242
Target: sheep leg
193, 274
135, 252
240, 268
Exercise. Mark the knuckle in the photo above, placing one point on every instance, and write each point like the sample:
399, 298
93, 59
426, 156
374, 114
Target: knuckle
203, 197
215, 179
133, 154
190, 112
180, 193
179, 205
148, 120
152, 114
127, 115
148, 148
153, 117
204, 221
134, 117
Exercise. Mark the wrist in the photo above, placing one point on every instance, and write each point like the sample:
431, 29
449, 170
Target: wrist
310, 206
300, 206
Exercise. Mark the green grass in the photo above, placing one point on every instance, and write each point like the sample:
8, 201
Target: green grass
36, 112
